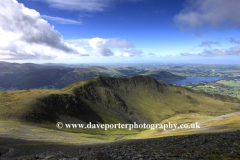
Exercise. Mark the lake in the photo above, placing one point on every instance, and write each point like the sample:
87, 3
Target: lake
192, 79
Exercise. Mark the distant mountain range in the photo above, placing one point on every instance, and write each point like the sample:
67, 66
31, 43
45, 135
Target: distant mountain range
15, 76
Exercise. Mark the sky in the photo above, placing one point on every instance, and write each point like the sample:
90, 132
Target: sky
120, 31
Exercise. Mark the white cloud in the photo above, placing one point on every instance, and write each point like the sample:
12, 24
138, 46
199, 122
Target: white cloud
60, 20
234, 50
79, 42
113, 42
214, 52
102, 46
208, 13
126, 52
118, 54
119, 43
25, 35
84, 5
79, 5
221, 52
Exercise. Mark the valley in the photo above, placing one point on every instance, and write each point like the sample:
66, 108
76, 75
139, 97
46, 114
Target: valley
14, 76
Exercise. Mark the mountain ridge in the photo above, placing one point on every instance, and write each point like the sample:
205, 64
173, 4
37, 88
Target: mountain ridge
139, 99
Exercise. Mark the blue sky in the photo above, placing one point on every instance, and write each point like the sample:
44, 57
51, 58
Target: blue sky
120, 31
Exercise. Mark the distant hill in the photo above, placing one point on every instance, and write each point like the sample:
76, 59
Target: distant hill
6, 68
14, 76
29, 75
10, 68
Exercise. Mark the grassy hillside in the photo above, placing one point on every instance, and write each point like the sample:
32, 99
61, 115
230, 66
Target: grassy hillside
108, 100
139, 98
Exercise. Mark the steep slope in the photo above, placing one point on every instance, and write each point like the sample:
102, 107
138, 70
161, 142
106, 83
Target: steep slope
118, 100
53, 106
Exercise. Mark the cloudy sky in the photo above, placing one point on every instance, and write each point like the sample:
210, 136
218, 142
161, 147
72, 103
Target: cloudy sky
120, 31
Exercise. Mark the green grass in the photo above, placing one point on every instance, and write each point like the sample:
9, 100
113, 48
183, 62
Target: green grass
231, 83
186, 118
226, 123
226, 87
174, 104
